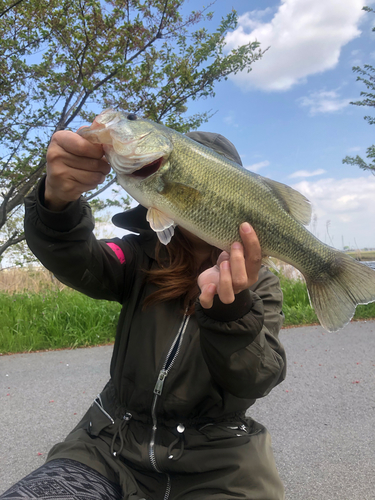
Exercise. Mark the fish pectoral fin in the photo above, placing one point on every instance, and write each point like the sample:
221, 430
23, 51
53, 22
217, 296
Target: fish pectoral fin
161, 224
166, 235
292, 201
158, 221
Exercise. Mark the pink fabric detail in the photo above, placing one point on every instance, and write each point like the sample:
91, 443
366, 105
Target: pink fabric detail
119, 253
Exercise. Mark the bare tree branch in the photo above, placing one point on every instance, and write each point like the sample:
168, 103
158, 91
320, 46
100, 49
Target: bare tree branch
3, 206
13, 240
97, 193
8, 204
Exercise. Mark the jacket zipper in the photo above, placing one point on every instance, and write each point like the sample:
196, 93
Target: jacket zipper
158, 389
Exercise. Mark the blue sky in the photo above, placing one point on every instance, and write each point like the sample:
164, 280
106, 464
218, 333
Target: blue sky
290, 118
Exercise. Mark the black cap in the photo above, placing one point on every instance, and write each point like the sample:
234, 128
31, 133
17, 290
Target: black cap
135, 218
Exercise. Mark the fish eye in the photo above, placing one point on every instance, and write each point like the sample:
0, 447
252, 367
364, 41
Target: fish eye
131, 116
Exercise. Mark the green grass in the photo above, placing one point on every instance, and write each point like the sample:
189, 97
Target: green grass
297, 308
68, 319
296, 304
54, 320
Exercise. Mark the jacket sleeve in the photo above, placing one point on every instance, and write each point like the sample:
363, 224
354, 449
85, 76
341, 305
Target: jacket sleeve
243, 353
65, 244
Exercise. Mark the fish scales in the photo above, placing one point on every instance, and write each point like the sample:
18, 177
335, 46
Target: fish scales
182, 182
217, 213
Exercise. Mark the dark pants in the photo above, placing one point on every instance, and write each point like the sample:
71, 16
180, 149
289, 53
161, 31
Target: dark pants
64, 479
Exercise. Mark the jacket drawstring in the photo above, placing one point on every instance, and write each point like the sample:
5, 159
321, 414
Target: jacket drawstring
120, 433
180, 439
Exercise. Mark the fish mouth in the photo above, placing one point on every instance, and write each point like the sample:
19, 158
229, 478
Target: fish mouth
148, 169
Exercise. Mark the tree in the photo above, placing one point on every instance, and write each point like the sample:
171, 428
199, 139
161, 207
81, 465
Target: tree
63, 61
367, 76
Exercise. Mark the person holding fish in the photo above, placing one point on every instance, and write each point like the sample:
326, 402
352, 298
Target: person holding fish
197, 340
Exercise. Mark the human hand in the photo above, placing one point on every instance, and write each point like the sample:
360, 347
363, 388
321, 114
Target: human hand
233, 272
74, 166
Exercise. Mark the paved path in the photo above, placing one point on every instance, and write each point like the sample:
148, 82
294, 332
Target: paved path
322, 418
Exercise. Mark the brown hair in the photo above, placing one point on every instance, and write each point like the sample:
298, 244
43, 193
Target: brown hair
177, 272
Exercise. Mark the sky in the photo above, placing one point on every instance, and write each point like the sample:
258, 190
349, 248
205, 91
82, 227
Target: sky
291, 118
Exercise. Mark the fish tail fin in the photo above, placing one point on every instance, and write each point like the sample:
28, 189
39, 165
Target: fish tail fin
335, 298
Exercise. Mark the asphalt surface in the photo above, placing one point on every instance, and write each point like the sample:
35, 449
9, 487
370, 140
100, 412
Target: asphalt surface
321, 418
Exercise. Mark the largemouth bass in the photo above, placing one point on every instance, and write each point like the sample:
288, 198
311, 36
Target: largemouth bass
182, 182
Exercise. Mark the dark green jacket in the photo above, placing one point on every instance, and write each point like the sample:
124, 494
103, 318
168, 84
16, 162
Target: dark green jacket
201, 372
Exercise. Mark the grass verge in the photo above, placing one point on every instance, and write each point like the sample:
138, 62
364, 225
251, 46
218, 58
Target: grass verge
54, 320
57, 319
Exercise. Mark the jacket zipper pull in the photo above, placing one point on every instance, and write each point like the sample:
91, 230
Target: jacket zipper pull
160, 382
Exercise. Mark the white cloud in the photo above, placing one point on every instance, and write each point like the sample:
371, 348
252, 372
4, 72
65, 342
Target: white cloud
354, 149
257, 166
324, 101
253, 19
306, 173
305, 37
347, 205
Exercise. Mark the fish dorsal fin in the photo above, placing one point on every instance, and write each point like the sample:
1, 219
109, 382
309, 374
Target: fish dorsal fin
292, 201
161, 224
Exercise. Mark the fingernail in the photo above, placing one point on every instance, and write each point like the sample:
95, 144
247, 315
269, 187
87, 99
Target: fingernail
225, 264
236, 245
246, 228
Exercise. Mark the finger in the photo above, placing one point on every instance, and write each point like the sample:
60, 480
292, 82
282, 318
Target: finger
58, 157
76, 152
60, 190
86, 180
238, 268
207, 295
252, 252
62, 177
225, 289
88, 164
223, 256
77, 145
